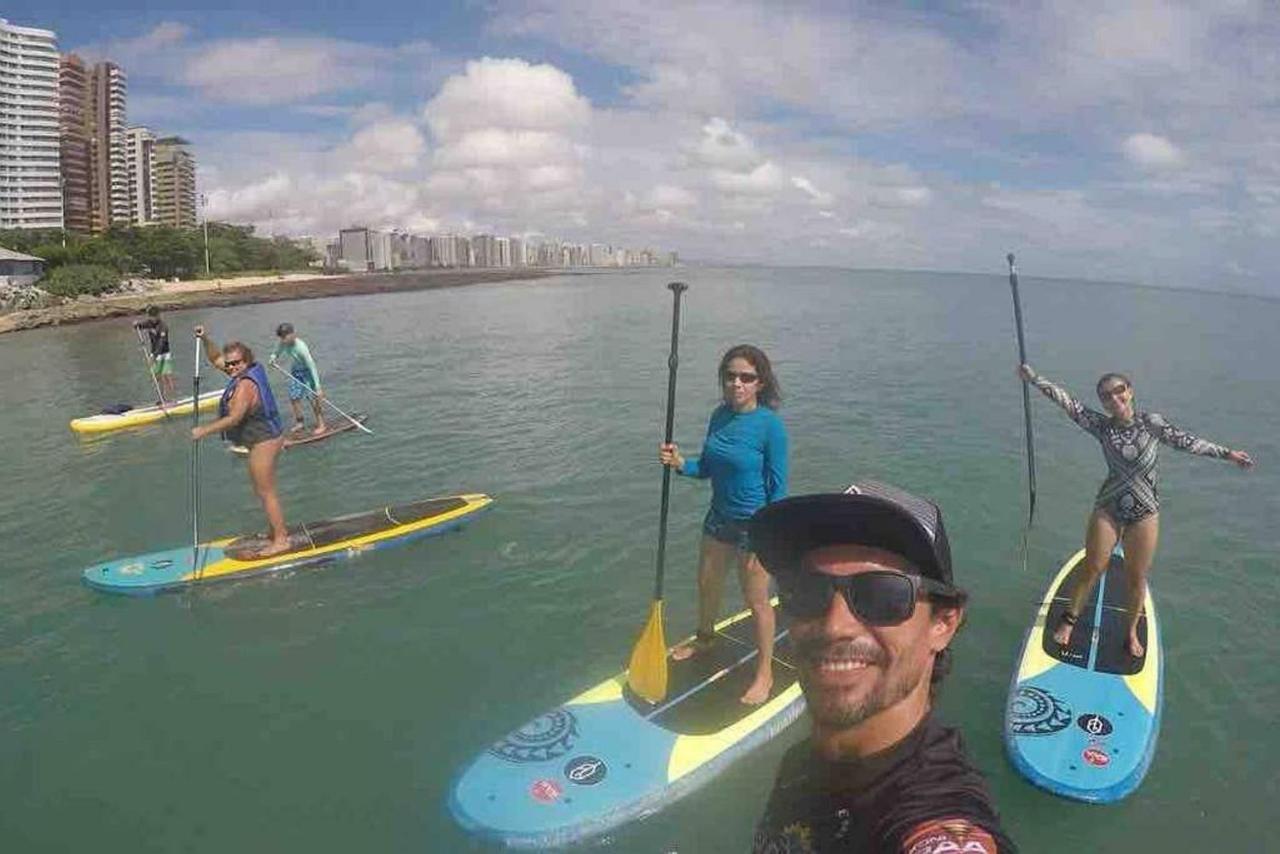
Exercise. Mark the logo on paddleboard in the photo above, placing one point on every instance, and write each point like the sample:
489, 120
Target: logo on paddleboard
1096, 725
547, 737
585, 770
546, 791
131, 569
1096, 756
1034, 711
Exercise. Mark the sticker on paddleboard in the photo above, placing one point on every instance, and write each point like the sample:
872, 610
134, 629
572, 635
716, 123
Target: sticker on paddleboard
1096, 725
1096, 756
546, 791
585, 770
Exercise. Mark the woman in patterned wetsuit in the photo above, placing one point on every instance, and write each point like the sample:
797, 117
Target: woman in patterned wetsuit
1128, 503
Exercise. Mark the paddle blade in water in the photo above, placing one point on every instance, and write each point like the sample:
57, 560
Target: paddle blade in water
647, 673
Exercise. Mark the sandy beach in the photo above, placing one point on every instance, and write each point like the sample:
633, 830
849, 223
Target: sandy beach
237, 290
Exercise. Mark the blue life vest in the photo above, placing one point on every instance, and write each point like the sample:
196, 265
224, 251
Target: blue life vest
266, 400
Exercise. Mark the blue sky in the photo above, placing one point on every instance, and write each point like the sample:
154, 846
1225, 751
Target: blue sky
1132, 141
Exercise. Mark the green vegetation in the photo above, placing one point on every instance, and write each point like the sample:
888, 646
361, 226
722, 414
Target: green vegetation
72, 280
159, 251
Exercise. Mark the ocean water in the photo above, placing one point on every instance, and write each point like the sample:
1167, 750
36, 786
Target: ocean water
327, 709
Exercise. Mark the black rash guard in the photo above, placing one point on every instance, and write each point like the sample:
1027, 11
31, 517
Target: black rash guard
920, 796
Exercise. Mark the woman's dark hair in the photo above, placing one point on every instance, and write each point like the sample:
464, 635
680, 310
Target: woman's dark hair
242, 349
957, 599
1108, 377
770, 393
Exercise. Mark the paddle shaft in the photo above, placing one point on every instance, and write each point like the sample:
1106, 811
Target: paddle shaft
195, 462
673, 362
151, 371
1026, 392
314, 394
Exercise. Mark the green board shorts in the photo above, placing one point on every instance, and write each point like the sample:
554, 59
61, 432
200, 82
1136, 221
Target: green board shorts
162, 364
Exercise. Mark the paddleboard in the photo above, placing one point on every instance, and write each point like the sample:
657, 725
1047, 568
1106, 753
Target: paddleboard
315, 543
607, 757
307, 437
1083, 720
141, 415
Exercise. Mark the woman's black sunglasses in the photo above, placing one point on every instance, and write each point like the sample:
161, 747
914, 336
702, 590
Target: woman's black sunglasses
877, 598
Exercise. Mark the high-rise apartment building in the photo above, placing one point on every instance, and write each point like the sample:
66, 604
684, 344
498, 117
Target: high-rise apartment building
173, 183
92, 124
30, 174
74, 143
108, 160
139, 154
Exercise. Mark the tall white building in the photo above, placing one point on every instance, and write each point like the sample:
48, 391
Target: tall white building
30, 174
140, 146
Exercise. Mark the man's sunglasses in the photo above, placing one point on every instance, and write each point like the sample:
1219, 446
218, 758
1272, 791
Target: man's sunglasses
878, 598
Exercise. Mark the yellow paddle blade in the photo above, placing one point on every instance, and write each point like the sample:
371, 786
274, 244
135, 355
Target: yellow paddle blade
647, 673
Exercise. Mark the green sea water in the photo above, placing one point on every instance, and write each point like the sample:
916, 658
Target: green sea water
327, 709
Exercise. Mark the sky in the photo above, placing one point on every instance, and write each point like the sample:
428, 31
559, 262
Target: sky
1131, 141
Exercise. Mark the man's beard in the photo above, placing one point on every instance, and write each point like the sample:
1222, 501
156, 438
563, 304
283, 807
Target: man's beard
837, 708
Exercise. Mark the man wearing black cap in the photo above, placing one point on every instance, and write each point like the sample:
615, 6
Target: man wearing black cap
160, 357
879, 773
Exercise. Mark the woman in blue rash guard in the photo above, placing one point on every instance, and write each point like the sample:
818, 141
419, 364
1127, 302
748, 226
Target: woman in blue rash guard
248, 415
745, 456
1127, 507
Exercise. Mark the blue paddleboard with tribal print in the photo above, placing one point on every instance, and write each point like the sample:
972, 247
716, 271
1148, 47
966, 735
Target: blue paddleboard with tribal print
608, 757
1083, 719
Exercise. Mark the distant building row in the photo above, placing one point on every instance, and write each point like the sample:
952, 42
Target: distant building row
67, 156
366, 249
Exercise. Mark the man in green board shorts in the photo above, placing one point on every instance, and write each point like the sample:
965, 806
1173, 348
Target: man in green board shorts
305, 378
161, 358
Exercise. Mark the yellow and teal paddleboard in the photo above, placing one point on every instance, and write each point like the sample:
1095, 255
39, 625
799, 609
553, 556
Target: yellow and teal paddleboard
316, 542
607, 757
143, 415
1083, 719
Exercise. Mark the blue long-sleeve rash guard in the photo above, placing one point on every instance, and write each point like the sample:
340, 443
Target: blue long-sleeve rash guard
745, 455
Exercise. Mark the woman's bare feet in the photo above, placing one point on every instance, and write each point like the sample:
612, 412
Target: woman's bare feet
320, 429
275, 547
701, 642
1136, 649
759, 690
1066, 625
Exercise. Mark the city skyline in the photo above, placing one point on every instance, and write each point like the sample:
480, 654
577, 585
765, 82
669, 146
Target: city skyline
1128, 143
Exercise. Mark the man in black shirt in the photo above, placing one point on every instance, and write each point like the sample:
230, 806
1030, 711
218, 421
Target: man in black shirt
879, 773
160, 357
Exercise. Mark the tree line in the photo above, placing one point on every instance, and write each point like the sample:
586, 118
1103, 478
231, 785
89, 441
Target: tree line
99, 262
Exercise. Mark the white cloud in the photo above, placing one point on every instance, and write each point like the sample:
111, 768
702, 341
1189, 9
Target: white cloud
765, 178
265, 71
506, 93
819, 198
509, 138
1152, 152
670, 196
391, 146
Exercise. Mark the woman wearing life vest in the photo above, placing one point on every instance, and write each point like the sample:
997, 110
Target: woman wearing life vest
248, 416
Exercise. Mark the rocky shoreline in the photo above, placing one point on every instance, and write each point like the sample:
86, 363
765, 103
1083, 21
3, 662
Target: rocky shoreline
100, 308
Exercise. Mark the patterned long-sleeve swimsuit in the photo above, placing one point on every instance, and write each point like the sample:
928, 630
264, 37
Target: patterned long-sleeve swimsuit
1129, 494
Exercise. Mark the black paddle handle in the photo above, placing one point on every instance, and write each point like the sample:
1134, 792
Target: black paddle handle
1026, 391
673, 363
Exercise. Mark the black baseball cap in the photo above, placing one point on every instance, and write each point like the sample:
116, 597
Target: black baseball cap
284, 329
867, 513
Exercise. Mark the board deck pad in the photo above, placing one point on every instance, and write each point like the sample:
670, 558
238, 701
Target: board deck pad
608, 757
316, 542
292, 439
1083, 722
